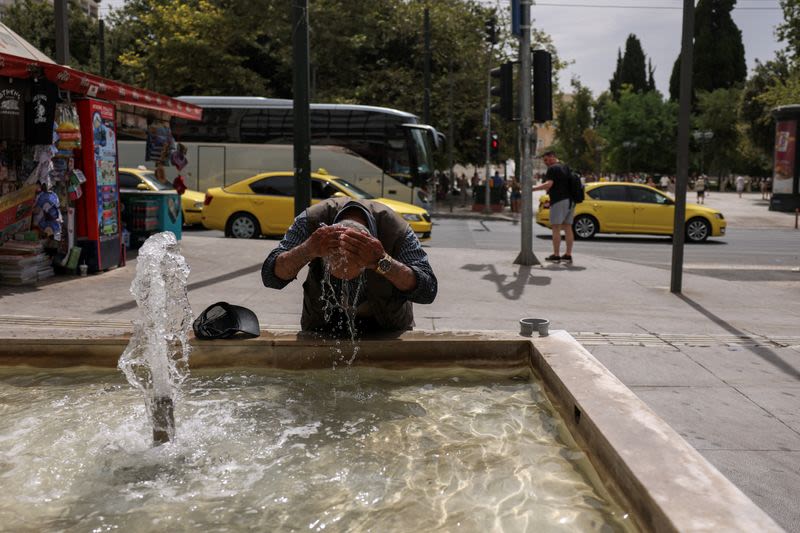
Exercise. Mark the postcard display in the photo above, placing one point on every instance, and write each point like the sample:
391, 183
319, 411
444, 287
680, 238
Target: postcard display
98, 228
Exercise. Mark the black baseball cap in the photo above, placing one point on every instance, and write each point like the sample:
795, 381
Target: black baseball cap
223, 320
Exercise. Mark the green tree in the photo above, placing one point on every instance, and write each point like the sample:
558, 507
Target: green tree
34, 21
789, 30
179, 47
615, 84
718, 50
648, 124
754, 111
721, 153
575, 141
630, 68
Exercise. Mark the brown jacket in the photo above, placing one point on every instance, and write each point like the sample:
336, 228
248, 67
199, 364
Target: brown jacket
390, 310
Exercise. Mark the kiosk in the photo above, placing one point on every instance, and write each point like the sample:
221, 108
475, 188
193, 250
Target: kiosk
786, 174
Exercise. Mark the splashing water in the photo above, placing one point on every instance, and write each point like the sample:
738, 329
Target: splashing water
156, 360
346, 301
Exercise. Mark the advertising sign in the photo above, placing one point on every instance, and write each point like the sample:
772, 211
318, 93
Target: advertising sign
105, 156
785, 153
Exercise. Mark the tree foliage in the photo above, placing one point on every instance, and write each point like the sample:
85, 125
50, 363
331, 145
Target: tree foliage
646, 121
576, 139
721, 153
719, 61
754, 110
631, 69
361, 52
34, 21
789, 30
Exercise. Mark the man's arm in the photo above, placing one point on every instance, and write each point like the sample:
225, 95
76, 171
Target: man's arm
546, 185
295, 236
410, 272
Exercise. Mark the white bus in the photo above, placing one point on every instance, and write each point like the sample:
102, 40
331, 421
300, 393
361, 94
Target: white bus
386, 152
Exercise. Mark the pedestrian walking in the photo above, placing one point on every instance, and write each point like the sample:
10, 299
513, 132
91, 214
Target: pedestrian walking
740, 185
556, 183
516, 195
700, 189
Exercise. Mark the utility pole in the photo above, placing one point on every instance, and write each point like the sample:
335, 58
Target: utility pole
426, 102
300, 107
526, 255
487, 121
61, 9
491, 38
101, 29
451, 128
682, 178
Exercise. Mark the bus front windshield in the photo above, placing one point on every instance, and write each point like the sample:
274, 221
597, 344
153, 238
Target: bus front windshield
424, 154
356, 192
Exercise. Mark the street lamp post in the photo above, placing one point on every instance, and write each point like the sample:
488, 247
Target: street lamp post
629, 145
702, 136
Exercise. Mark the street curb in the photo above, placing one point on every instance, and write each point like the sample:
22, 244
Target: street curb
472, 216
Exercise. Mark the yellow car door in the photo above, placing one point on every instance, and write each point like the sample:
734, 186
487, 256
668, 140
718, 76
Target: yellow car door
610, 206
653, 212
272, 202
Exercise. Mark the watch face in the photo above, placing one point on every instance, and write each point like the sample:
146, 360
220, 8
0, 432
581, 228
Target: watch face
384, 265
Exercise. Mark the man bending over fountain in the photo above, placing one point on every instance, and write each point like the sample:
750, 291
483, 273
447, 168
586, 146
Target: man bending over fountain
366, 267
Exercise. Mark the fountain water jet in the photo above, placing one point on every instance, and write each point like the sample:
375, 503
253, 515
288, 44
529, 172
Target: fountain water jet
156, 360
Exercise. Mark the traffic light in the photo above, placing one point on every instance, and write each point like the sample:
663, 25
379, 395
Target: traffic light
494, 147
505, 90
542, 86
491, 30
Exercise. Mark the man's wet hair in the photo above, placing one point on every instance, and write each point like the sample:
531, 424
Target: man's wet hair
354, 224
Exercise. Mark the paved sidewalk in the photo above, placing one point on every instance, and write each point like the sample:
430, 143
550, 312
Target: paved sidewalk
720, 363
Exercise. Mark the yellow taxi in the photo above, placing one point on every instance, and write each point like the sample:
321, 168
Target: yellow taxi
264, 204
616, 207
145, 180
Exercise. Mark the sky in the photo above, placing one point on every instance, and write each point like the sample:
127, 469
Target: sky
590, 35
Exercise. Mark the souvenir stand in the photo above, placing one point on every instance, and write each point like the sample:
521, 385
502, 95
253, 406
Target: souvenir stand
59, 189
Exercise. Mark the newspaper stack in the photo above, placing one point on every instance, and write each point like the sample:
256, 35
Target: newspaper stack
24, 263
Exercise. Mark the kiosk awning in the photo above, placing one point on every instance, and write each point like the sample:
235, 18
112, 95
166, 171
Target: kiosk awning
87, 84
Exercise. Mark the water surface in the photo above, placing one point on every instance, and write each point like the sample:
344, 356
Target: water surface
337, 450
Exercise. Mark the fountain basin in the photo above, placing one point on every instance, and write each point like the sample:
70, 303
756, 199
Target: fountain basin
642, 463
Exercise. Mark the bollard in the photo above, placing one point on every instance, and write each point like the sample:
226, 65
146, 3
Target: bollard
163, 420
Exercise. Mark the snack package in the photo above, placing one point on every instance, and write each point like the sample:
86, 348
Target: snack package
68, 129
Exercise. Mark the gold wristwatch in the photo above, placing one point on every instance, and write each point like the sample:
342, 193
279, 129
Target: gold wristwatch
384, 264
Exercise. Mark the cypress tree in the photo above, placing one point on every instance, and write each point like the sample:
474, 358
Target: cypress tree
631, 69
718, 50
614, 83
633, 65
651, 81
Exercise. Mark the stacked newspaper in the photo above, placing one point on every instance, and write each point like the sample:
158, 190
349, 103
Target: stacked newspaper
24, 263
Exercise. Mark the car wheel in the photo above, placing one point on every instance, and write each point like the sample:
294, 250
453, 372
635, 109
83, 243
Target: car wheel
697, 230
585, 227
243, 226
